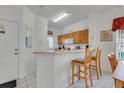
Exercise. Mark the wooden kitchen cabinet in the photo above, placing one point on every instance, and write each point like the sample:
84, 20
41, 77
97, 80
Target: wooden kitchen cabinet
84, 36
60, 39
70, 35
65, 36
76, 37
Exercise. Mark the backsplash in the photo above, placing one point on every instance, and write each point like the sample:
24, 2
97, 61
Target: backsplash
74, 46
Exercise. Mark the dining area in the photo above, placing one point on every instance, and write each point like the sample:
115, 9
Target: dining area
117, 68
115, 59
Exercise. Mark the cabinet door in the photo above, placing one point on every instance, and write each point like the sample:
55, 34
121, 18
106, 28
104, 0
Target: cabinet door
70, 35
84, 36
65, 36
60, 39
76, 37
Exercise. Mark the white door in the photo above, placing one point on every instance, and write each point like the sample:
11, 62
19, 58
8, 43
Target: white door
8, 51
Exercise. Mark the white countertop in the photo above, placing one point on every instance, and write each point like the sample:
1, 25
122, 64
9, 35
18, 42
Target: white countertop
60, 51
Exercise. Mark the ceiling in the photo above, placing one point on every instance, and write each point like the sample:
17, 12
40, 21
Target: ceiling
78, 12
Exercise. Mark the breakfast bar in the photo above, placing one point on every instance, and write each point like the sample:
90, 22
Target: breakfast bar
54, 67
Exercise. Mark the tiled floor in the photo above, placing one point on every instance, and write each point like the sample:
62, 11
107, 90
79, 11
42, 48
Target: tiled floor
28, 81
105, 81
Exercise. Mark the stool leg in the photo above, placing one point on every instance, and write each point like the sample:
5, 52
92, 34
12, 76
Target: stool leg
72, 73
85, 76
79, 77
97, 68
90, 71
100, 69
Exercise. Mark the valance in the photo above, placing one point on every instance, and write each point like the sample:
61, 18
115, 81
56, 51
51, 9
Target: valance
118, 24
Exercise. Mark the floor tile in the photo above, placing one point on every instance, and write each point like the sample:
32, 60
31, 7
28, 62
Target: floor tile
105, 81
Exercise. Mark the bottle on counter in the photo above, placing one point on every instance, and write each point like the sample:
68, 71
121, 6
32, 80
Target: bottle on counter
78, 47
69, 49
87, 46
63, 47
59, 48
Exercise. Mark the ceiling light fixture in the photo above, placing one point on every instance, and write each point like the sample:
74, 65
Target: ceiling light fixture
60, 16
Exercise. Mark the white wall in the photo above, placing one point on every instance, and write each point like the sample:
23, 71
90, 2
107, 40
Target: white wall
99, 22
76, 27
39, 41
41, 29
9, 12
22, 15
26, 62
96, 23
56, 32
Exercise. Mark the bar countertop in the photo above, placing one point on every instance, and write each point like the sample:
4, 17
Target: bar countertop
61, 51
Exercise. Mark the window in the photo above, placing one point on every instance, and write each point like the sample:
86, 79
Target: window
50, 40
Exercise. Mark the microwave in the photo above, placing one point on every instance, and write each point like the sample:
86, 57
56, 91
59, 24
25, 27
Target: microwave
68, 41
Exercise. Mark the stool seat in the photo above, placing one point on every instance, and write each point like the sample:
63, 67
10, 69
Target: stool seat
79, 60
93, 57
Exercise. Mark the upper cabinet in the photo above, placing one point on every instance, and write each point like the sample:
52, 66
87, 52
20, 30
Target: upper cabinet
84, 36
78, 37
60, 40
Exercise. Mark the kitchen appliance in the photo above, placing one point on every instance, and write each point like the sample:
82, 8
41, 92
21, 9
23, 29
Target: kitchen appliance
68, 41
78, 47
120, 44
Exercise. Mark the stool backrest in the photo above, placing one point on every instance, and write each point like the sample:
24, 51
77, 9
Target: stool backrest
114, 58
113, 61
87, 59
98, 54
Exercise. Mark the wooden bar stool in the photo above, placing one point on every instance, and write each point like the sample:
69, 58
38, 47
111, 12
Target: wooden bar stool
86, 64
97, 65
113, 63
